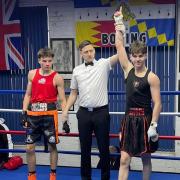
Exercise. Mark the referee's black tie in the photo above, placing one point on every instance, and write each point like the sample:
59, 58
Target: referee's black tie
89, 63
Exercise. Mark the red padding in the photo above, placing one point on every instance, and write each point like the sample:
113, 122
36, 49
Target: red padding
13, 163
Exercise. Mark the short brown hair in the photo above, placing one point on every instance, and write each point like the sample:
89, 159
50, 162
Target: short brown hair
138, 47
45, 52
84, 43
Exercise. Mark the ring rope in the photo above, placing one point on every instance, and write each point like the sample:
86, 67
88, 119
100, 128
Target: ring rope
115, 113
78, 153
68, 91
77, 134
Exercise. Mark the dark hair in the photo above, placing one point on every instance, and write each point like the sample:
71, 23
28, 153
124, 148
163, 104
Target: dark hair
45, 52
84, 43
138, 47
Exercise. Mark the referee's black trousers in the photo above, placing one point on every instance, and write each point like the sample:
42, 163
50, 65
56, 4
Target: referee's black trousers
97, 121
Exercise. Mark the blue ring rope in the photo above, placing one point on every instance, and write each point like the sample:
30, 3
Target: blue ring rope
78, 153
110, 92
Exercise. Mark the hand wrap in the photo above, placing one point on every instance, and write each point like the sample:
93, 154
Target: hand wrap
66, 127
24, 119
152, 133
119, 24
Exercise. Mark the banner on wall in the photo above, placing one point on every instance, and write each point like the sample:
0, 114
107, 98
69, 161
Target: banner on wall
151, 31
10, 36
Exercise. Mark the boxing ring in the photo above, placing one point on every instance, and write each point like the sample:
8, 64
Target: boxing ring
69, 172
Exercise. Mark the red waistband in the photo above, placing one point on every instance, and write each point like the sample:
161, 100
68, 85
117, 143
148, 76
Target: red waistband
136, 112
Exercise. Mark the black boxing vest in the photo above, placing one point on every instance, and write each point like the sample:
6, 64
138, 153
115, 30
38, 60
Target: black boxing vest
138, 93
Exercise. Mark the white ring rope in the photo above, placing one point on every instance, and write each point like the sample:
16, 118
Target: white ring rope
74, 112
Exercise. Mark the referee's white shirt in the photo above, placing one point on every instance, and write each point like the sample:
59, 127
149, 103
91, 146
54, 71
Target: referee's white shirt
92, 83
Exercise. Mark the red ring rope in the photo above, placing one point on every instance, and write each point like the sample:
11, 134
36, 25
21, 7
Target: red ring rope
77, 135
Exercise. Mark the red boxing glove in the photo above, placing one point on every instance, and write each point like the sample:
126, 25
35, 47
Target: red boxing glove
13, 163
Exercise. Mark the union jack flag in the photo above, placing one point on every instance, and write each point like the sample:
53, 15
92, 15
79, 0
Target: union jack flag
10, 36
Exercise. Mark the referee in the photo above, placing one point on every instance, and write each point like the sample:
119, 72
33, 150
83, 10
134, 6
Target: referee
89, 81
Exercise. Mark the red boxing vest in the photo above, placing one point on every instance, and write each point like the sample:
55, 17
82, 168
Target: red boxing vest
43, 89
